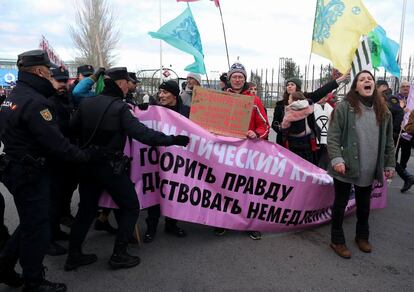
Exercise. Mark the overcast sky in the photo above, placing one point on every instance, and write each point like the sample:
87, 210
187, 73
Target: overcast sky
258, 31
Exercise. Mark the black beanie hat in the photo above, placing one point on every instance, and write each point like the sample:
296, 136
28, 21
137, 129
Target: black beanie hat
170, 86
297, 82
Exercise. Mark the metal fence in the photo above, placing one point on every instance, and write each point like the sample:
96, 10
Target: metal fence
270, 82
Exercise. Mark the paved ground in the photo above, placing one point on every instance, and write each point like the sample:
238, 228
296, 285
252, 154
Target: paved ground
299, 261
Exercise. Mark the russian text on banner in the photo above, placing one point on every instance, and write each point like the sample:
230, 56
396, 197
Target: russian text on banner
228, 182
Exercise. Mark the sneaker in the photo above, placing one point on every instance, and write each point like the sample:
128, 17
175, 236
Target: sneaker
173, 229
149, 236
255, 235
219, 231
56, 249
105, 226
123, 261
67, 221
364, 245
341, 250
78, 259
45, 286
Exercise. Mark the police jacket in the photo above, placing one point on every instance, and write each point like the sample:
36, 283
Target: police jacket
115, 122
28, 123
63, 109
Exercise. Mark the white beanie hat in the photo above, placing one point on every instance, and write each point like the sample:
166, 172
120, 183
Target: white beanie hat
195, 76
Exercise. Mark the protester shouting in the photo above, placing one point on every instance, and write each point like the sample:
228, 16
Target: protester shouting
259, 124
361, 150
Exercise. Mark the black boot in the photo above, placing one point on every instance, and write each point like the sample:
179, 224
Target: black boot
76, 259
406, 176
120, 259
407, 183
45, 286
8, 275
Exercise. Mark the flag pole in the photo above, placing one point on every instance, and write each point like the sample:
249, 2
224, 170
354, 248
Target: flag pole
313, 31
396, 86
225, 38
160, 44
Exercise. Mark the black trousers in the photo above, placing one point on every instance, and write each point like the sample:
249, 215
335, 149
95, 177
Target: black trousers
362, 198
64, 181
404, 148
153, 216
94, 180
29, 243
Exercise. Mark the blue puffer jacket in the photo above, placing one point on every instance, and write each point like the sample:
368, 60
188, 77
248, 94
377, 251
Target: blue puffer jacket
83, 90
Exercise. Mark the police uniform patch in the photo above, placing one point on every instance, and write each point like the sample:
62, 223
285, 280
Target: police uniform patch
394, 100
46, 115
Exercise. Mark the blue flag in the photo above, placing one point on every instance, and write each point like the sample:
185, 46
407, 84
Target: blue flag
389, 52
182, 33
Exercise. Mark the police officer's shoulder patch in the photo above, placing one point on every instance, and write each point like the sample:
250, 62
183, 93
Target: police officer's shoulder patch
394, 100
46, 115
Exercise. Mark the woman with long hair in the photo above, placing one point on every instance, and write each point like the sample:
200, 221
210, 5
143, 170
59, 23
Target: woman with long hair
361, 150
294, 85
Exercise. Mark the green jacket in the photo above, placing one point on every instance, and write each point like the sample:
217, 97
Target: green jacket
343, 143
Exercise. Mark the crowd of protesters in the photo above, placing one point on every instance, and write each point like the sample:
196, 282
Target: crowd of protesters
46, 124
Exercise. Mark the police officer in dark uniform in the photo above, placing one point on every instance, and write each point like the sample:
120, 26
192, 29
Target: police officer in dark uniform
31, 137
105, 122
130, 97
64, 175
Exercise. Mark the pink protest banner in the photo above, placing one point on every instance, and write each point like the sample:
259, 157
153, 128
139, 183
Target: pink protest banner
229, 182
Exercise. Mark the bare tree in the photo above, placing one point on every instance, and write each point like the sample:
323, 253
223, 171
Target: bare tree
94, 34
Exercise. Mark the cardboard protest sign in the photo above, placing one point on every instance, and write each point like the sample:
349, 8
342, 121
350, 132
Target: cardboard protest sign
220, 112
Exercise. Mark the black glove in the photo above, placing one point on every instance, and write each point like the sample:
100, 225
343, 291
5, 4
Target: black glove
181, 140
143, 106
98, 72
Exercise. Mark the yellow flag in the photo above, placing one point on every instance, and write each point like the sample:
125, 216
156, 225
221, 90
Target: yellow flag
338, 28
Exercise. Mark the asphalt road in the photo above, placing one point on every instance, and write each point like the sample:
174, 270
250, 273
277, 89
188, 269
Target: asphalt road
299, 261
